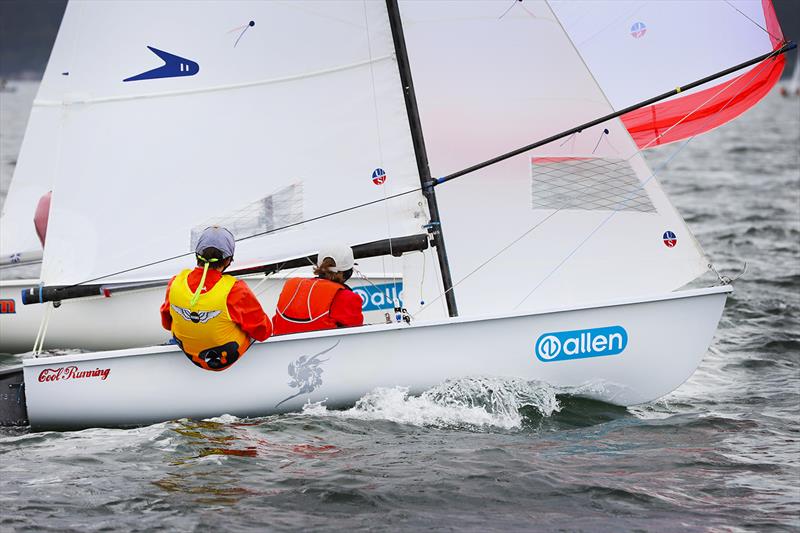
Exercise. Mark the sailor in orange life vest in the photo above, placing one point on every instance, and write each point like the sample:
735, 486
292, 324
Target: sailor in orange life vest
324, 302
213, 317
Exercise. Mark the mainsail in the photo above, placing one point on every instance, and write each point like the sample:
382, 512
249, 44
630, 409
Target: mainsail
639, 48
256, 115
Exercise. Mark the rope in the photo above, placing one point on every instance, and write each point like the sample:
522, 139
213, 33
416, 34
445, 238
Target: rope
360, 275
422, 278
196, 295
38, 344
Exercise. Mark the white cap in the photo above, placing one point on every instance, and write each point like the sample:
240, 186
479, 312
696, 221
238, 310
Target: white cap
341, 254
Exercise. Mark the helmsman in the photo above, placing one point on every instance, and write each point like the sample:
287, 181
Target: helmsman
213, 317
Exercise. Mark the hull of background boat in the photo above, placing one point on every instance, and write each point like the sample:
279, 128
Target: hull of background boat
123, 320
667, 338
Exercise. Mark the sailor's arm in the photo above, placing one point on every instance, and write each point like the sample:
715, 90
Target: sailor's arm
245, 309
166, 318
346, 309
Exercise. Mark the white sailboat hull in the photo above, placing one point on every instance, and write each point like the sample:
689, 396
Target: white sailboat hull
123, 320
666, 338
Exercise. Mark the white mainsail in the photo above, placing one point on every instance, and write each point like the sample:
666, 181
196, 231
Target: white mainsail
500, 91
283, 113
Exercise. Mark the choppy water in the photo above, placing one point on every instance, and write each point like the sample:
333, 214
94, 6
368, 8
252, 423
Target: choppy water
720, 454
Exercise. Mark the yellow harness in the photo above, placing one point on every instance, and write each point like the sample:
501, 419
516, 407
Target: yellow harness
202, 325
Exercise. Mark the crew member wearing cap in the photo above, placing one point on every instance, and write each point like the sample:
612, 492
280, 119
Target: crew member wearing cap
324, 302
213, 316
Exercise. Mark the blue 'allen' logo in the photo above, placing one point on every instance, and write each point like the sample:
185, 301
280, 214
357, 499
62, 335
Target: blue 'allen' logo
378, 297
173, 67
581, 343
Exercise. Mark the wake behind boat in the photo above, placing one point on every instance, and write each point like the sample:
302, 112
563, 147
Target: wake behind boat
563, 256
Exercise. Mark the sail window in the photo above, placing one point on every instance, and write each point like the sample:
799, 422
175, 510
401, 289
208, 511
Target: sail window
593, 184
279, 209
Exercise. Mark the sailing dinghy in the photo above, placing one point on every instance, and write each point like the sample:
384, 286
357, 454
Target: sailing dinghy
722, 30
565, 261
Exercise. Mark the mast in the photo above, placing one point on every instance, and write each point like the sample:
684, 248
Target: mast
435, 224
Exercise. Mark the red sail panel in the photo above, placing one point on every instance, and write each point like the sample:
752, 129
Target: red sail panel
699, 112
650, 126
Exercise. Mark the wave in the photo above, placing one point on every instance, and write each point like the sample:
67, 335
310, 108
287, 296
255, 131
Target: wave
467, 403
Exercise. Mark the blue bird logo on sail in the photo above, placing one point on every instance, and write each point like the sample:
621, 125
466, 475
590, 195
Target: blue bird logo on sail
173, 67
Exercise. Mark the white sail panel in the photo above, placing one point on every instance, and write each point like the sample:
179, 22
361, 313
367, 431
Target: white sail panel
488, 82
33, 177
640, 48
257, 126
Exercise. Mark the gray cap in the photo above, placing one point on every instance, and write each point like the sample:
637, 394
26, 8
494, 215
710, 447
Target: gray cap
216, 237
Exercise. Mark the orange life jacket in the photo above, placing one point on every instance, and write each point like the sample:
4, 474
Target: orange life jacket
205, 331
305, 305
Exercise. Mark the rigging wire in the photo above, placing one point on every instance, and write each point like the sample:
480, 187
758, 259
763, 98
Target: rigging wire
745, 15
492, 258
259, 234
513, 3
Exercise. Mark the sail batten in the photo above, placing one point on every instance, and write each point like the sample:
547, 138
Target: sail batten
79, 100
